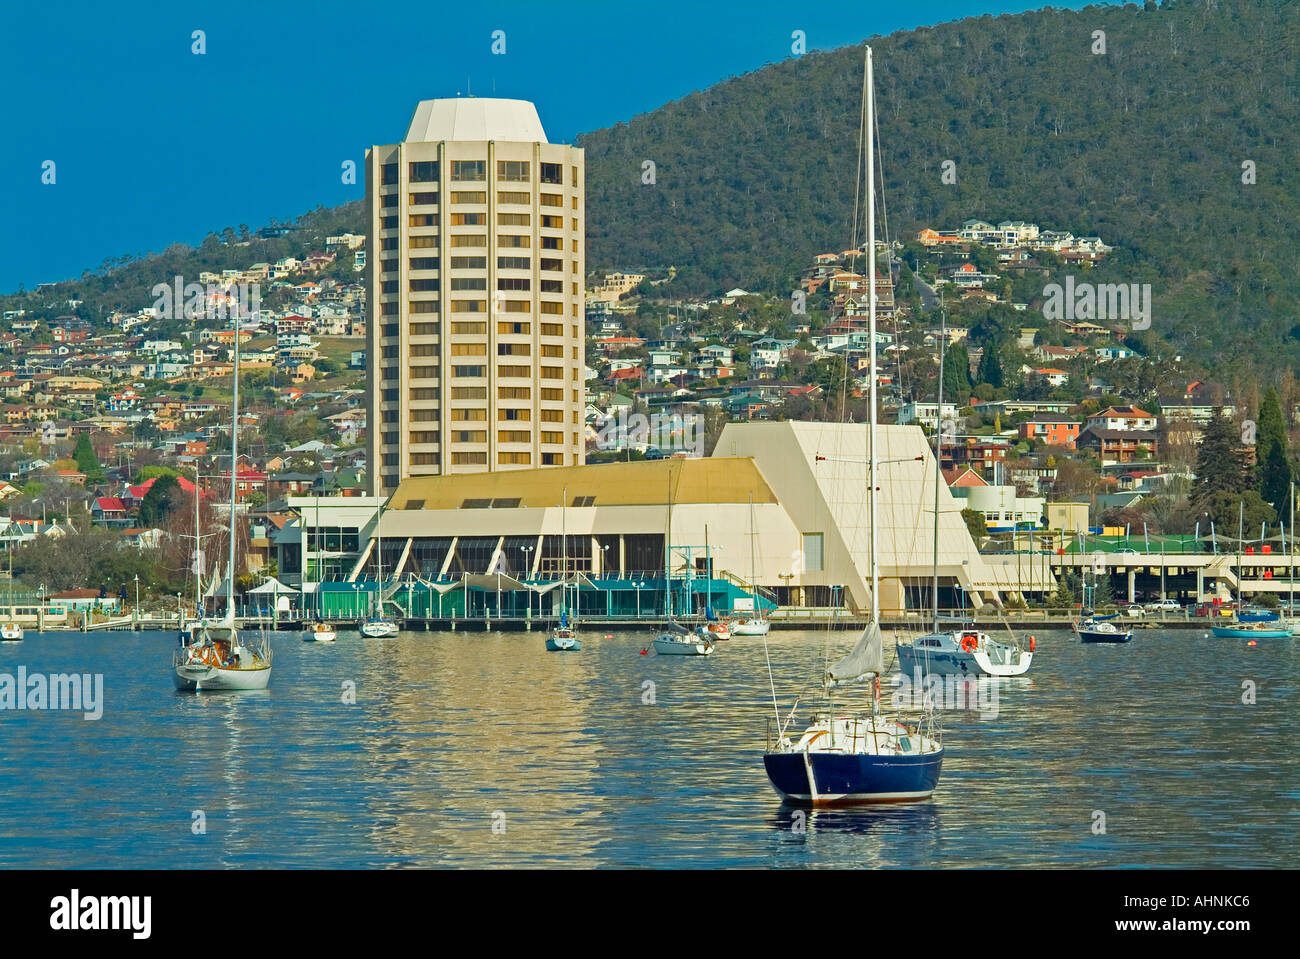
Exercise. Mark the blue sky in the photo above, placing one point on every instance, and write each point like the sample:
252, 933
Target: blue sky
153, 144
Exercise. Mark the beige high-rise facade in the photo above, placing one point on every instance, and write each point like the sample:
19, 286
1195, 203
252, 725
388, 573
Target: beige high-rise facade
476, 328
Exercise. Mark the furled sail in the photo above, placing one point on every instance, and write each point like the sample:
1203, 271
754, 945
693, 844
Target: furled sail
868, 656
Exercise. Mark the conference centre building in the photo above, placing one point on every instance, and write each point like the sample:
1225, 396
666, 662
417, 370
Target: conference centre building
776, 516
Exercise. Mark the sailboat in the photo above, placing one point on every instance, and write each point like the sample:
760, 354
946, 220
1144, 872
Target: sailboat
1247, 626
1091, 628
316, 631
218, 658
755, 625
675, 639
11, 631
564, 638
863, 757
190, 627
964, 651
1291, 621
377, 625
712, 628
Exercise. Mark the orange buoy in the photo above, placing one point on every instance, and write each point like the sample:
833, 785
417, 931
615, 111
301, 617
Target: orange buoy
1251, 643
1032, 644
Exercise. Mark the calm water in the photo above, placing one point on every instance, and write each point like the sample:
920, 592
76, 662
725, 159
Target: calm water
450, 730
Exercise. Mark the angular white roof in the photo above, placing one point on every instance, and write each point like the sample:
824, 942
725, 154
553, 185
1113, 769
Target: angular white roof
475, 118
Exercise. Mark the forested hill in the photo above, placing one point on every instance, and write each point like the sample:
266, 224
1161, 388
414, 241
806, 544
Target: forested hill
1143, 145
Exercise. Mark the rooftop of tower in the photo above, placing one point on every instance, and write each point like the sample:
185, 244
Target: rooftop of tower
475, 118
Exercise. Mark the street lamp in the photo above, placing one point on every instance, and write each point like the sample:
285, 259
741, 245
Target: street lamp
604, 554
137, 594
637, 587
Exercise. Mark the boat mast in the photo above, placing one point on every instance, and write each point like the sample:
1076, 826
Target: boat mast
234, 484
1241, 593
753, 571
564, 550
871, 300
668, 551
379, 556
198, 552
1290, 606
938, 458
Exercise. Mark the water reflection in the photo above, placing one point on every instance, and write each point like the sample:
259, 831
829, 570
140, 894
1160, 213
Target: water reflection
609, 758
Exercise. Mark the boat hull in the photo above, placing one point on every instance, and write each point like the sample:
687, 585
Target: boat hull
568, 645
200, 677
11, 633
843, 779
1232, 632
750, 627
379, 630
319, 636
1091, 636
666, 646
958, 663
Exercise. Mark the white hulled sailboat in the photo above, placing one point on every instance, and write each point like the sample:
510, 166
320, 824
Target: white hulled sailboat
217, 658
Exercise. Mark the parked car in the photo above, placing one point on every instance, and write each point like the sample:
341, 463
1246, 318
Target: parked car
1163, 606
1130, 552
1134, 611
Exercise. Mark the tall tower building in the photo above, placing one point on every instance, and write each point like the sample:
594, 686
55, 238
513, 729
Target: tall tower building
475, 274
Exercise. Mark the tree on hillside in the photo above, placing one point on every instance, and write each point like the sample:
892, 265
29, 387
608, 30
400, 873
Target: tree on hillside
990, 368
1247, 509
87, 461
1220, 462
956, 372
1272, 466
163, 498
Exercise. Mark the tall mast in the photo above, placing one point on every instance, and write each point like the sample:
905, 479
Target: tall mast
198, 547
564, 549
1290, 607
234, 485
938, 458
379, 557
1241, 593
753, 571
668, 550
871, 300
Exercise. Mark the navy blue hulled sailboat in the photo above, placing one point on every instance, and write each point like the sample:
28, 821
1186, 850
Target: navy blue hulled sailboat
858, 756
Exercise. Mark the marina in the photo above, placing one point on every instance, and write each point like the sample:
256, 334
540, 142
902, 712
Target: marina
596, 771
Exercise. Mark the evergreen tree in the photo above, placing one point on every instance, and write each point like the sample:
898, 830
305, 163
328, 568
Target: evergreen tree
956, 372
1220, 461
87, 461
1272, 467
164, 496
1103, 595
990, 369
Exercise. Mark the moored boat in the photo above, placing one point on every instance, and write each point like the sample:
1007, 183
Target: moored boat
863, 756
319, 633
1100, 631
1255, 630
217, 659
379, 628
11, 632
963, 652
221, 660
670, 643
754, 626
